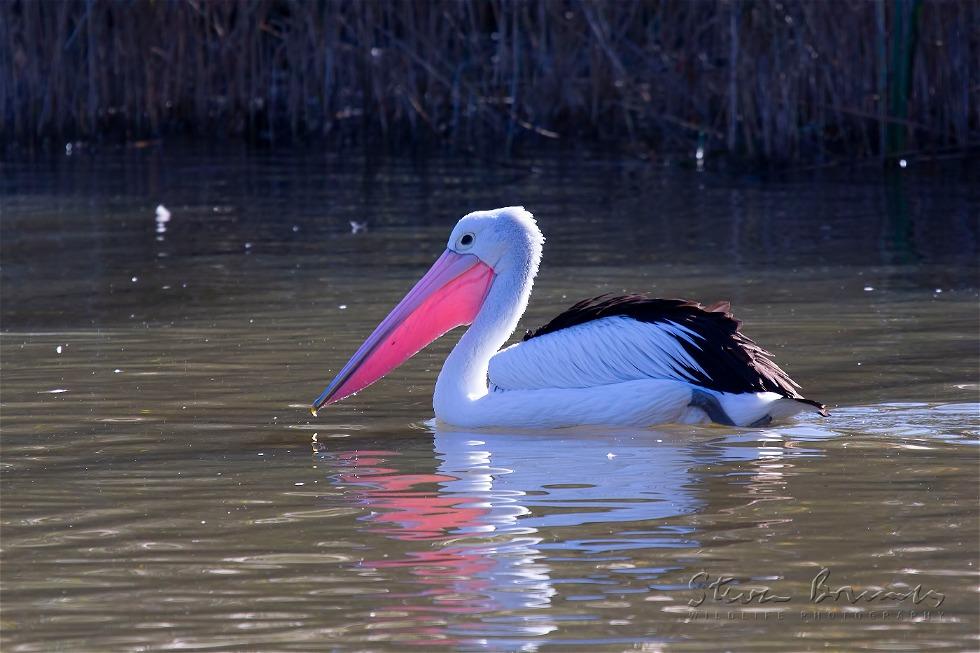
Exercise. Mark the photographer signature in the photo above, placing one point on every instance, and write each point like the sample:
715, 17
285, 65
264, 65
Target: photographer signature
723, 589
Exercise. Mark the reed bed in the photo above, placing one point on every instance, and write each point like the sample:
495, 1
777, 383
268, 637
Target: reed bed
766, 79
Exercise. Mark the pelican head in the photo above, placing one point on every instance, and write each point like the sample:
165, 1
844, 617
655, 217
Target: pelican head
483, 247
503, 239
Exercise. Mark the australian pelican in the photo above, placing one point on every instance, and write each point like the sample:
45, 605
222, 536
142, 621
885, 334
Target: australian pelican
611, 360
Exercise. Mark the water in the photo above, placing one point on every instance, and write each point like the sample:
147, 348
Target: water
160, 490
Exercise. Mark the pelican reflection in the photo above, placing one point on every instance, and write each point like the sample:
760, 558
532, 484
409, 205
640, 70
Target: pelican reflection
487, 526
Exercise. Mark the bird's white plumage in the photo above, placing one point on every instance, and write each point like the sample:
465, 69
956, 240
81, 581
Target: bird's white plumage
601, 352
611, 370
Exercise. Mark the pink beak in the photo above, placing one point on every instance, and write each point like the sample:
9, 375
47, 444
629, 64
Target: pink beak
449, 295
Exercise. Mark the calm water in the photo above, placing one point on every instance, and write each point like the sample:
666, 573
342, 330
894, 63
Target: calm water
160, 490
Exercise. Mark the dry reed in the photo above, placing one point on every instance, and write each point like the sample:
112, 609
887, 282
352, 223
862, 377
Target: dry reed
767, 79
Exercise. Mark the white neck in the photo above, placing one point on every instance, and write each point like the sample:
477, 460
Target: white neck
463, 378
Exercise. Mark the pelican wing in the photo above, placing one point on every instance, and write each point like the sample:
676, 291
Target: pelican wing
612, 339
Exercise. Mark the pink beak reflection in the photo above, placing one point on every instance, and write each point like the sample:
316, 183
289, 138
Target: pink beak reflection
449, 295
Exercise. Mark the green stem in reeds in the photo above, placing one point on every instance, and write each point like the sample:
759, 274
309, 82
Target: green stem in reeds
904, 38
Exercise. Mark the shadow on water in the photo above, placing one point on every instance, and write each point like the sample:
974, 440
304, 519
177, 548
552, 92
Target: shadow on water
898, 233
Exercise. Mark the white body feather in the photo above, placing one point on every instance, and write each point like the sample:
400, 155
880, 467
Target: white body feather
607, 351
642, 403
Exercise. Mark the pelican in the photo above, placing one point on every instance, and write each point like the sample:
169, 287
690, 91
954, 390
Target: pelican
610, 360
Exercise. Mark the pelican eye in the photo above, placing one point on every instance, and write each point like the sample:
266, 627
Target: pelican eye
466, 240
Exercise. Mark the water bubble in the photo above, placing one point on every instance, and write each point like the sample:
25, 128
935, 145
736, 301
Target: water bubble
162, 218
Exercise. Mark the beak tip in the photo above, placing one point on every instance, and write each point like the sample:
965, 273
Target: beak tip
319, 403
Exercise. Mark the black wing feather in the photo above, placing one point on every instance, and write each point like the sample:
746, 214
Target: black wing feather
731, 361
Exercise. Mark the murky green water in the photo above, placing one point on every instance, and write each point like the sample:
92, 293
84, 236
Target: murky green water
159, 490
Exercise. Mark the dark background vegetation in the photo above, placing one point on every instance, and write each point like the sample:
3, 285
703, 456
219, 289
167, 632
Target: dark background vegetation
761, 79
